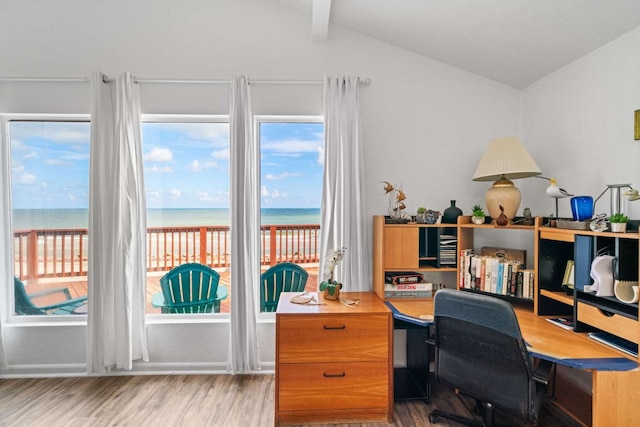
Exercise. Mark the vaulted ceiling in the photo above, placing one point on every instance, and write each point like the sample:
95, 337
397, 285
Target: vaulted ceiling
515, 42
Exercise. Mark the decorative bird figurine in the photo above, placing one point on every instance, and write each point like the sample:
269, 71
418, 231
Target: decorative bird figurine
556, 192
632, 194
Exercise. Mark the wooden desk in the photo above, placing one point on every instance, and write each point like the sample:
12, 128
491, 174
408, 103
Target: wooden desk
615, 377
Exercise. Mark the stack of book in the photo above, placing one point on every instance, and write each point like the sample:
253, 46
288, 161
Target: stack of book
448, 251
495, 275
406, 285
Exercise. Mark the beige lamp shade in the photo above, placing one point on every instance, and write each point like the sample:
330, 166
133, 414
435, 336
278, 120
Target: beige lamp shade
505, 159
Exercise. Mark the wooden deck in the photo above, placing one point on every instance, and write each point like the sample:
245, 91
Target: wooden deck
78, 286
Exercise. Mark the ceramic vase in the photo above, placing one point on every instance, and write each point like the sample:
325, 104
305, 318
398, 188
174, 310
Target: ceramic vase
451, 214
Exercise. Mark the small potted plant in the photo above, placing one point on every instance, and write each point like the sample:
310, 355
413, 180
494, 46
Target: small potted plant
330, 288
618, 222
477, 215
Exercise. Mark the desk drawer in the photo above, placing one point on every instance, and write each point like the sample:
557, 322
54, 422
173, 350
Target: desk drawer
327, 386
618, 325
321, 338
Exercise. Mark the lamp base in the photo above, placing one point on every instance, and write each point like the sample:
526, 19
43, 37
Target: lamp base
503, 193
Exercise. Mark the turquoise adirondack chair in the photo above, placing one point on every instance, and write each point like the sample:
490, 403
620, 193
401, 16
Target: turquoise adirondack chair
283, 277
190, 288
25, 305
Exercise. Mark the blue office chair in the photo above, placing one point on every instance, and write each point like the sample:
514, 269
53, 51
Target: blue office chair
481, 353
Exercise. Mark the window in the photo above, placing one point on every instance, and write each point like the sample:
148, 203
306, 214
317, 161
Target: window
50, 200
292, 153
186, 162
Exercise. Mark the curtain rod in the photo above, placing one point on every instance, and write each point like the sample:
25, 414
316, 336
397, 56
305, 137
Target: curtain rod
44, 79
365, 81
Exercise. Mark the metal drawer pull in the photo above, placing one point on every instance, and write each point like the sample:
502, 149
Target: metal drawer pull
334, 375
335, 327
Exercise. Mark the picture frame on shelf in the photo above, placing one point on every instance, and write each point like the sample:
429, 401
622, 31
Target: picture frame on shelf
567, 279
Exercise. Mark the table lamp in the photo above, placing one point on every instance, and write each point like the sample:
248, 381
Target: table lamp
505, 159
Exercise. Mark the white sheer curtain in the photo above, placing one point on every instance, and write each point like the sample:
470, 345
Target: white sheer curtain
6, 236
116, 332
343, 218
245, 229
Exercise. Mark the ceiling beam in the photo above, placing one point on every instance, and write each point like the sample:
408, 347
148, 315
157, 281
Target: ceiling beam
320, 20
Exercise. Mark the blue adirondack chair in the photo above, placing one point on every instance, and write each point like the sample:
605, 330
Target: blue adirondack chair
283, 277
190, 288
25, 305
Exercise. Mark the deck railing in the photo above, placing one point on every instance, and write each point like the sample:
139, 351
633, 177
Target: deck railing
64, 252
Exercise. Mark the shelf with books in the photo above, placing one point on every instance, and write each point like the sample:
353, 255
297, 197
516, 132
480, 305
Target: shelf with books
502, 275
427, 249
495, 275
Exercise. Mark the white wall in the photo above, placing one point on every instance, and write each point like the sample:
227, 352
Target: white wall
579, 126
425, 124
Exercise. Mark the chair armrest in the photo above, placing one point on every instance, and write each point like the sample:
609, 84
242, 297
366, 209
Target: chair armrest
157, 300
46, 292
221, 293
542, 372
62, 304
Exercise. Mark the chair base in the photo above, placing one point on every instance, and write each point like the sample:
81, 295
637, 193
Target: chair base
483, 409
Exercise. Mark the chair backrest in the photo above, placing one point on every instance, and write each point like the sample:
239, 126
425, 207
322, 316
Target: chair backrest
190, 288
22, 301
481, 352
283, 277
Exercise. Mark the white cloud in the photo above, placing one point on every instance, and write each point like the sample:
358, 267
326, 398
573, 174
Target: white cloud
25, 178
159, 155
156, 169
321, 155
205, 197
69, 135
198, 166
175, 193
56, 162
221, 154
197, 133
62, 132
283, 175
30, 155
292, 146
270, 195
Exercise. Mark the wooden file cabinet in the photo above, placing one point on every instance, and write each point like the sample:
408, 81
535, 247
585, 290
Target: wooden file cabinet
334, 364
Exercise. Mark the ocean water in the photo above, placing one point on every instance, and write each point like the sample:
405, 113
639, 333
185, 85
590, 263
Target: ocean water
30, 219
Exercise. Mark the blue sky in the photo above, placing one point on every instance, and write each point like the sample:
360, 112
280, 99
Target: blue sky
186, 164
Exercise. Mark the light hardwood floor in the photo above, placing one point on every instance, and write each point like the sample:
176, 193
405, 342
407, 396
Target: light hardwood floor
176, 400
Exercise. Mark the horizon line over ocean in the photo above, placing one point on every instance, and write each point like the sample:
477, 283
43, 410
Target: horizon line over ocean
28, 219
